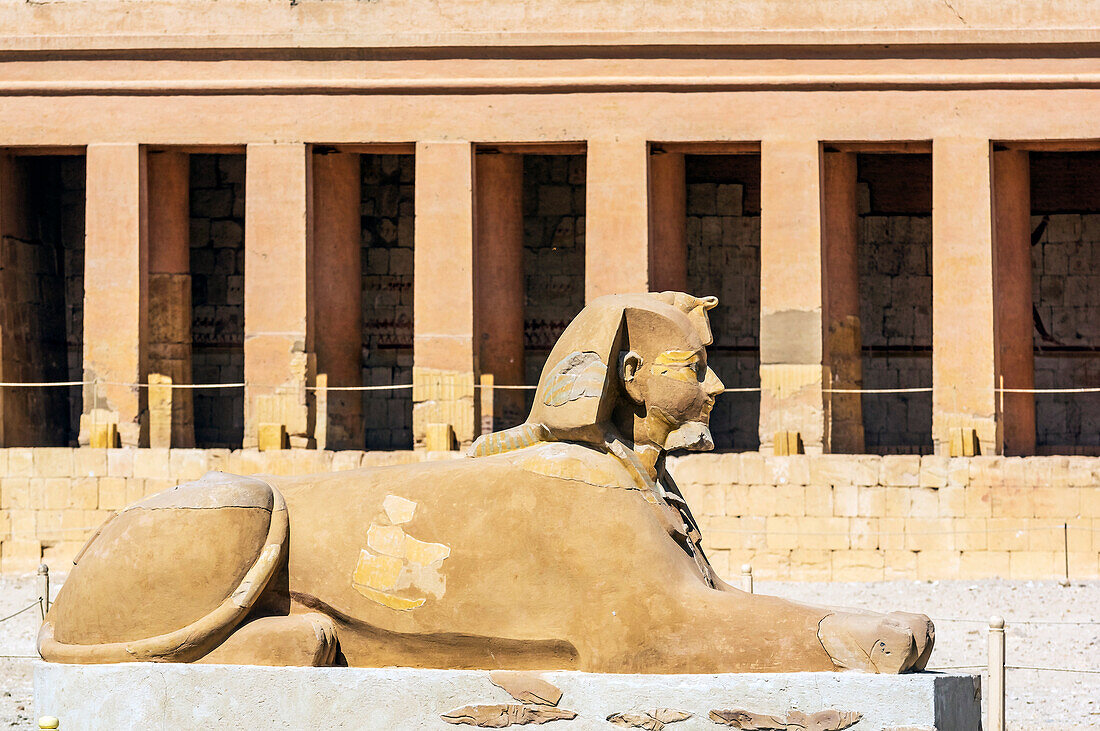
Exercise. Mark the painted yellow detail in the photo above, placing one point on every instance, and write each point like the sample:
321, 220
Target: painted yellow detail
398, 509
388, 600
677, 357
388, 540
379, 572
423, 553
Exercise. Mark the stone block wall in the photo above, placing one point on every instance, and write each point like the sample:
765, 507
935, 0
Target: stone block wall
895, 286
1065, 281
723, 229
871, 518
217, 296
820, 517
42, 270
386, 210
553, 252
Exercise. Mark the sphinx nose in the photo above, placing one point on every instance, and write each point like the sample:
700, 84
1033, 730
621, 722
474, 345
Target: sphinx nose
712, 384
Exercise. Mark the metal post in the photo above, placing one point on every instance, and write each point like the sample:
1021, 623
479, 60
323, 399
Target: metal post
1065, 545
995, 700
746, 577
43, 589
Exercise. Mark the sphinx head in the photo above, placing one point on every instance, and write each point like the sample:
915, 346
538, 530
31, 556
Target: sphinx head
667, 387
628, 368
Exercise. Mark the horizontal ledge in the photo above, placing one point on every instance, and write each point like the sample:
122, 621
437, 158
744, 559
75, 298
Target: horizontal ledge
503, 38
547, 85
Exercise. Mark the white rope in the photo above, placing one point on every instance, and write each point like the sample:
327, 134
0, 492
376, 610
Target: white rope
44, 384
24, 609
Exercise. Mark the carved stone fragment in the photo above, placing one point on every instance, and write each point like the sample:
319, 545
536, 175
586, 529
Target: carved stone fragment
506, 714
740, 718
654, 720
827, 720
526, 687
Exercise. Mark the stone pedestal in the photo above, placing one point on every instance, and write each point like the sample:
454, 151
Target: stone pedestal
155, 695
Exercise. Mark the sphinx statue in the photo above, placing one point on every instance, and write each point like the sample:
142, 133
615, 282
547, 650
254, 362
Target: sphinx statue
562, 543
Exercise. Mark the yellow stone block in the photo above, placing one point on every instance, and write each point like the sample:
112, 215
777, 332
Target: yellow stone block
899, 565
53, 461
120, 462
103, 436
20, 462
271, 436
188, 464
1013, 502
933, 471
901, 470
750, 468
924, 502
55, 493
984, 565
112, 493
846, 500
929, 534
978, 501
20, 556
736, 500
971, 534
1007, 534
83, 493
15, 493
872, 501
1023, 565
152, 464
899, 501
937, 565
964, 442
819, 500
857, 565
864, 533
1046, 535
823, 533
1061, 503
790, 500
784, 533
88, 462
811, 565
440, 437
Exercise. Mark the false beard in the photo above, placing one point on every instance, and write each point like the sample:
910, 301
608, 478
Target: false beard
694, 436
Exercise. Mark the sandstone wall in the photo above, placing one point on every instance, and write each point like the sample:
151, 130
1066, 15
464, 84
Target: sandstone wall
553, 252
217, 296
831, 517
386, 210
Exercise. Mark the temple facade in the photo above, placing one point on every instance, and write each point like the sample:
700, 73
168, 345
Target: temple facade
343, 225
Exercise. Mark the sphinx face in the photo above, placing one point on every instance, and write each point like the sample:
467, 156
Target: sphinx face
671, 381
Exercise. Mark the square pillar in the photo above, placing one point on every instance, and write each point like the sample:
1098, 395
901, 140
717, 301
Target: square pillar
843, 337
1015, 324
115, 291
170, 286
792, 365
616, 233
668, 223
500, 288
964, 355
444, 354
337, 290
278, 328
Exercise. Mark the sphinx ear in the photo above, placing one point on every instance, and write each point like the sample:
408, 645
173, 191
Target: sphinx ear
630, 363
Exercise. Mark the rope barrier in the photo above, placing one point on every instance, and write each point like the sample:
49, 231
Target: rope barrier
1076, 623
24, 609
494, 387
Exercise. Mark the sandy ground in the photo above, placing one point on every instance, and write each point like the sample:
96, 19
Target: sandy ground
1036, 700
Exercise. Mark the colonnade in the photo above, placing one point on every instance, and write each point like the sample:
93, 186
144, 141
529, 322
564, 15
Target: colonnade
302, 284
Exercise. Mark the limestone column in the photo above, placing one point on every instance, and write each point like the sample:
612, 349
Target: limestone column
170, 287
337, 289
500, 287
616, 235
115, 291
964, 357
1014, 326
444, 355
668, 222
792, 367
278, 325
843, 339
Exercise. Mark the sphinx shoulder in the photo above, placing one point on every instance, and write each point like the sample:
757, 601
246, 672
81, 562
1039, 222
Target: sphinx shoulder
569, 461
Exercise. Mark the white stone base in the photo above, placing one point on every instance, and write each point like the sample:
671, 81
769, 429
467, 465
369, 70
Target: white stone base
169, 696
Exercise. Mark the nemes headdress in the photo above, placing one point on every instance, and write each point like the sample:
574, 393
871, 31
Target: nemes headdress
577, 390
